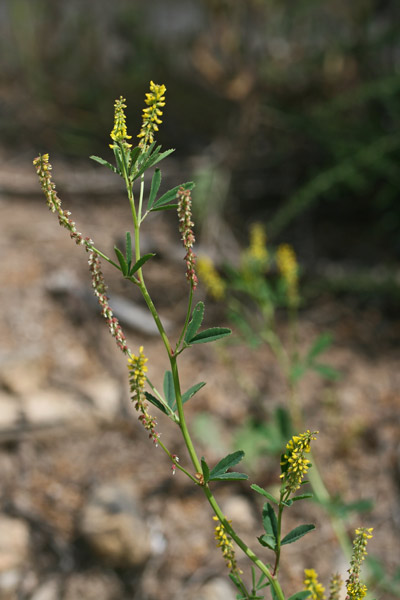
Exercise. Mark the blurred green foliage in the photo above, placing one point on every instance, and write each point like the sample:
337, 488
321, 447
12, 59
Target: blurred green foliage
298, 101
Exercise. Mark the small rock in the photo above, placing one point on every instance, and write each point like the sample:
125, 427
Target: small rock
104, 393
215, 589
52, 407
10, 411
14, 551
49, 590
93, 586
14, 543
114, 526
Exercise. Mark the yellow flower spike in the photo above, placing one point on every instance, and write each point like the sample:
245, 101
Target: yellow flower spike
119, 132
294, 465
155, 100
288, 267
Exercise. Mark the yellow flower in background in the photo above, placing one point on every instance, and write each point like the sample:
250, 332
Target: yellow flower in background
213, 282
288, 267
335, 586
258, 243
119, 132
155, 101
312, 585
256, 255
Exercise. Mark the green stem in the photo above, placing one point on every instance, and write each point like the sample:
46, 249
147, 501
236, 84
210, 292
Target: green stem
278, 541
182, 420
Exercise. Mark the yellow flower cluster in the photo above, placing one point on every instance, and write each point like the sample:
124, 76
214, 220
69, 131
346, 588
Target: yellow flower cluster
288, 267
119, 132
312, 585
137, 371
355, 589
294, 464
214, 284
257, 250
225, 543
155, 100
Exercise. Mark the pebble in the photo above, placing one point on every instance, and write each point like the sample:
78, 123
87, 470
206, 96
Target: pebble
114, 527
215, 589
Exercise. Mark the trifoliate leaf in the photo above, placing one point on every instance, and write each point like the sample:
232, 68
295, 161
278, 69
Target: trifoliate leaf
225, 463
194, 324
263, 492
140, 262
155, 185
210, 335
270, 522
297, 533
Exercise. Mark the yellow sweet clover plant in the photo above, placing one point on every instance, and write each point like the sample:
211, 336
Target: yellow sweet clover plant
130, 164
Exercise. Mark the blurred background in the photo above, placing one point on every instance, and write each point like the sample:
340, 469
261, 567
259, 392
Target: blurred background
293, 107
283, 112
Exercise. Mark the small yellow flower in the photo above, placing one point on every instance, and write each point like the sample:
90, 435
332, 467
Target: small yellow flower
213, 282
294, 464
257, 250
288, 267
312, 585
155, 101
119, 132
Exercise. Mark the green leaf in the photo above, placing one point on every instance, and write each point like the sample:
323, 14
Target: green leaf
268, 541
300, 595
157, 158
166, 207
263, 492
297, 371
326, 371
169, 390
210, 335
194, 324
192, 391
189, 393
156, 402
128, 248
270, 522
121, 260
155, 186
171, 194
321, 344
302, 497
103, 162
135, 152
225, 463
205, 469
229, 476
140, 263
297, 533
